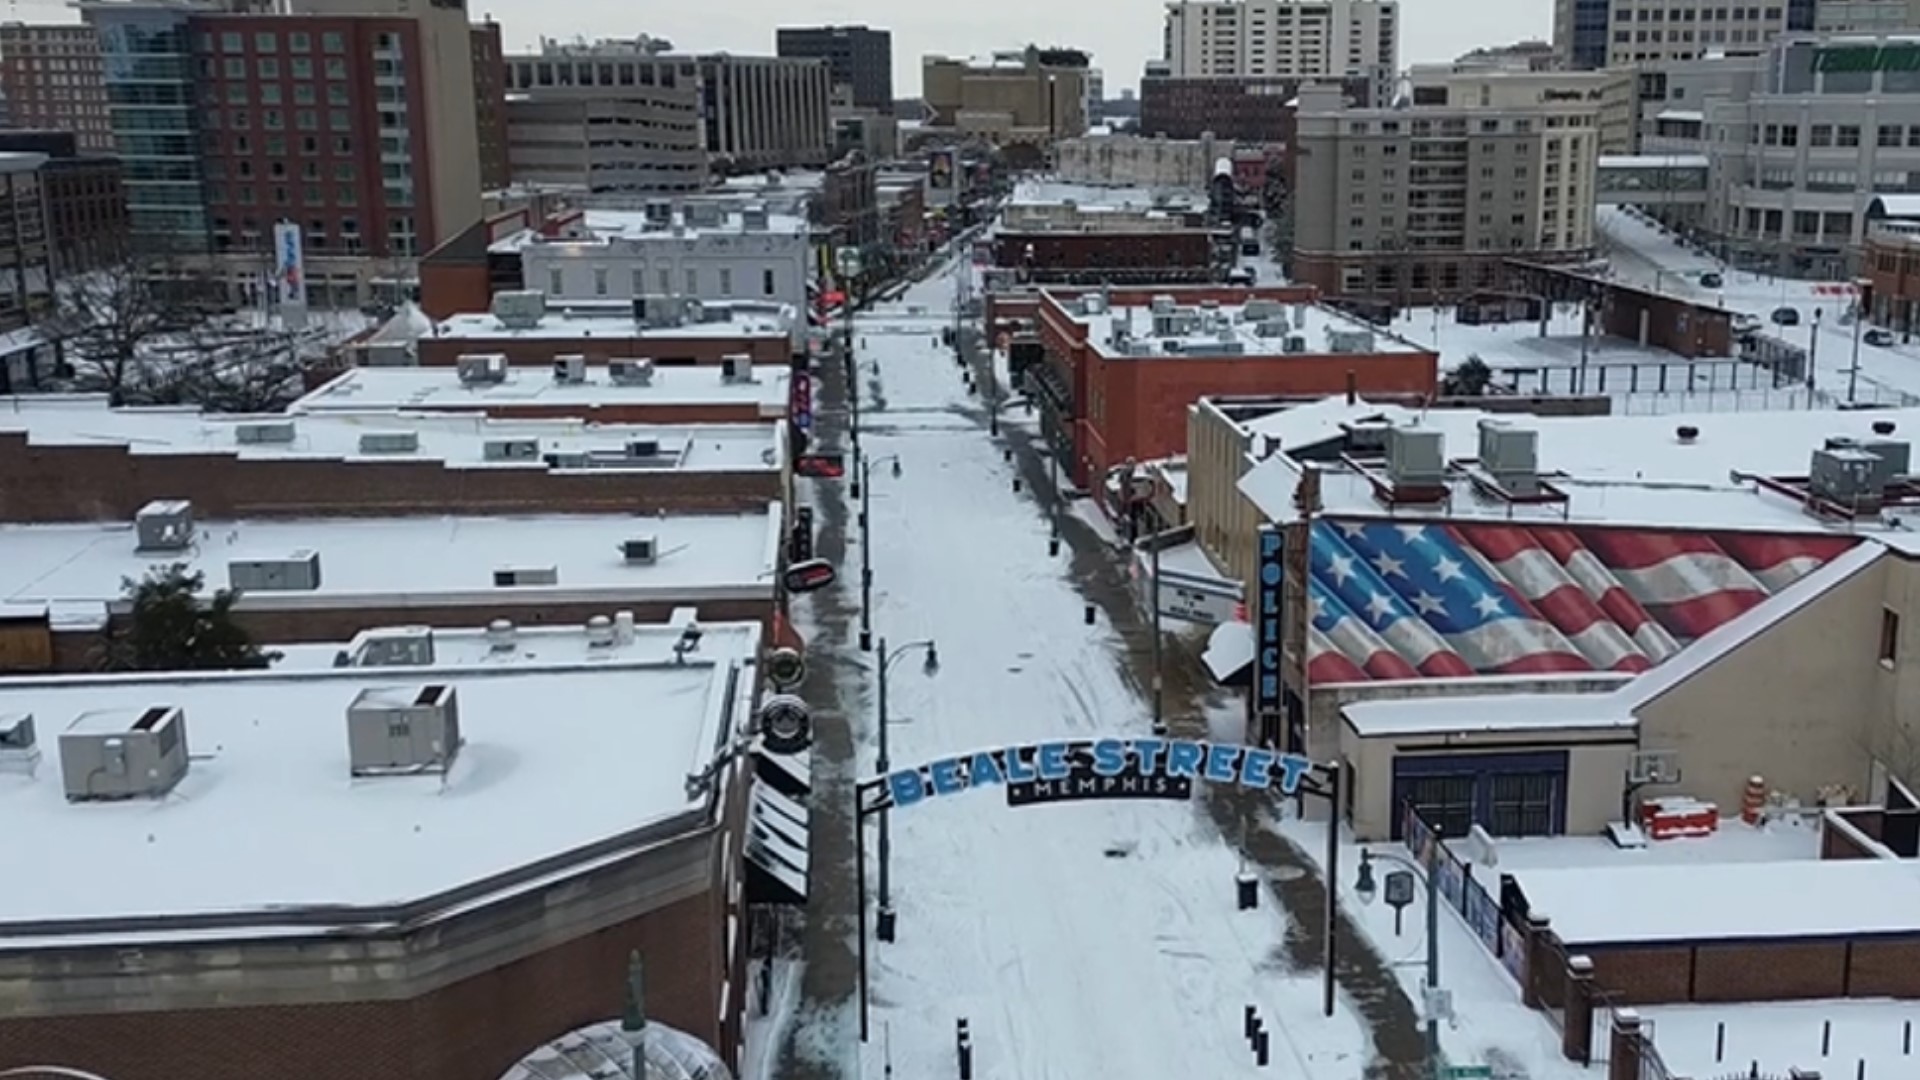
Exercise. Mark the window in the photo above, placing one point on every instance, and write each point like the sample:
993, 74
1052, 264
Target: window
336, 68
600, 280
269, 93
1522, 804
1848, 135
726, 281
236, 67
1889, 135
554, 284
300, 41
766, 282
639, 281
231, 42
332, 41
693, 281
666, 281
266, 41
268, 67
303, 94
1889, 636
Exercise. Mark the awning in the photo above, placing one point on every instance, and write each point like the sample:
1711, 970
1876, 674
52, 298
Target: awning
1229, 654
787, 774
776, 848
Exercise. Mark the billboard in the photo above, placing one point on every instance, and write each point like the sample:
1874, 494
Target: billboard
940, 170
1266, 657
289, 264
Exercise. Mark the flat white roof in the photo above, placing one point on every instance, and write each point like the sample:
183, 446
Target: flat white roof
1231, 327
612, 323
602, 226
1799, 898
455, 438
413, 560
1486, 712
269, 817
531, 387
1050, 192
519, 646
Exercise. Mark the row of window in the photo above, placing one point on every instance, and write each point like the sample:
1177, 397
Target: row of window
276, 120
1822, 136
1717, 14
271, 145
268, 41
662, 278
1806, 223
1711, 37
402, 237
1490, 126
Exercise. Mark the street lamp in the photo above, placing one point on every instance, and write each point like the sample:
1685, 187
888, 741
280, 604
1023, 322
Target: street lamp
1365, 888
866, 545
884, 925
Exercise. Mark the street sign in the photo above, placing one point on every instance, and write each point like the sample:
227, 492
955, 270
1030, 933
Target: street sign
809, 576
1468, 1072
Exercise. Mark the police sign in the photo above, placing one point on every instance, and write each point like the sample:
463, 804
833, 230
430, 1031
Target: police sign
1266, 656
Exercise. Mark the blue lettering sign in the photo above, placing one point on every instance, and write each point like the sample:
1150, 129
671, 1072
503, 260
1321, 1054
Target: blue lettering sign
1019, 770
1102, 768
984, 770
1183, 758
1221, 759
1256, 768
1109, 757
1266, 622
947, 779
1053, 761
1293, 768
1149, 751
905, 787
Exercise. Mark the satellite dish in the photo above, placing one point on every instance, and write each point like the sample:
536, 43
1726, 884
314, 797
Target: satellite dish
786, 669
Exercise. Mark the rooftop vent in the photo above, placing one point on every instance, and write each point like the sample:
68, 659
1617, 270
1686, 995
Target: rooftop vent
600, 633
19, 753
1368, 437
1161, 304
1848, 477
736, 369
164, 525
510, 450
1093, 304
1209, 305
123, 754
704, 215
658, 312
481, 369
1884, 427
1349, 341
298, 572
1275, 327
695, 310
1416, 458
511, 577
571, 370
389, 442
393, 646
1511, 456
519, 309
263, 432
1295, 344
501, 636
1260, 309
659, 212
644, 550
630, 372
755, 219
643, 448
401, 730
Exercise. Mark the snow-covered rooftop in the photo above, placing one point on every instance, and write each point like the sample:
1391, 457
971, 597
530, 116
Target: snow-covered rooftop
456, 438
1826, 898
1615, 469
1094, 197
620, 641
1230, 329
1491, 712
615, 322
412, 560
634, 226
269, 817
535, 388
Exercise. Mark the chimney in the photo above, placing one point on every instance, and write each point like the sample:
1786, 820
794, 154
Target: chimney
1353, 387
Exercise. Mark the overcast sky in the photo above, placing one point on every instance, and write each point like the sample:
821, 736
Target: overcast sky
1121, 34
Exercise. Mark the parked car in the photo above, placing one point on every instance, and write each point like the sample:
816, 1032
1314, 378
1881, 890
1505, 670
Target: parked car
1786, 316
1879, 335
1711, 280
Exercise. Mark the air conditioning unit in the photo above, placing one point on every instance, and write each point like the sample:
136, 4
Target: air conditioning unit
1161, 304
643, 448
403, 730
164, 525
392, 646
510, 450
480, 369
570, 369
1508, 449
1172, 346
520, 309
755, 219
1416, 457
258, 432
1228, 348
298, 572
1260, 308
736, 369
1294, 344
630, 372
124, 754
693, 310
1896, 458
1849, 477
644, 550
657, 312
389, 442
19, 752
509, 577
1349, 341
568, 459
1273, 327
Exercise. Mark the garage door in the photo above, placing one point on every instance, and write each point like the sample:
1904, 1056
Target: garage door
1506, 794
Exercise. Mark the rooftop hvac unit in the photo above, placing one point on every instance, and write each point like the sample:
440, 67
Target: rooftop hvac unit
755, 219
704, 215
1416, 457
510, 450
393, 646
1350, 341
298, 572
571, 370
1896, 457
481, 369
124, 754
1172, 346
1275, 327
643, 550
259, 432
1209, 305
509, 577
643, 448
659, 213
1093, 304
520, 309
1260, 308
1848, 476
164, 525
389, 442
630, 372
19, 752
1229, 348
658, 312
1511, 454
1161, 304
736, 369
386, 354
399, 730
1294, 344
570, 459
693, 310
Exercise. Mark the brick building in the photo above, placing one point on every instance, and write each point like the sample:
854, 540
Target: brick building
26, 256
1123, 365
490, 106
446, 958
1241, 108
86, 203
1165, 255
676, 395
51, 78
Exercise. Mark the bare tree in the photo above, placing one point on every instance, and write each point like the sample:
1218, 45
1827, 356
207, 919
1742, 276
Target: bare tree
107, 322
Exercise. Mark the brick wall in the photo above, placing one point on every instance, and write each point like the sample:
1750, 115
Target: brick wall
1785, 970
471, 1030
1839, 841
106, 483
744, 412
660, 348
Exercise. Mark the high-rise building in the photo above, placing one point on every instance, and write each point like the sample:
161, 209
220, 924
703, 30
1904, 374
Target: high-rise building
1026, 96
857, 56
354, 119
746, 111
50, 76
1244, 108
26, 258
86, 205
1606, 33
1311, 38
1428, 201
490, 106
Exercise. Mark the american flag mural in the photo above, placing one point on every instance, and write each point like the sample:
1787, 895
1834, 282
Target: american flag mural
1404, 600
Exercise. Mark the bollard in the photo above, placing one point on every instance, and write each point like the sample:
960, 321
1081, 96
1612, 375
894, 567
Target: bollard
1016, 485
1906, 1039
1861, 1072
1261, 1047
1006, 455
1053, 546
963, 1048
1087, 614
1719, 1042
1826, 1037
1247, 889
1249, 1023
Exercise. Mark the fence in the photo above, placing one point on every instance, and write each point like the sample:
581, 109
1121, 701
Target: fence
1478, 908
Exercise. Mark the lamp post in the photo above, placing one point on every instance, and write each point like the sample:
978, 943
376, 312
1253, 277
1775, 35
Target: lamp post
866, 545
885, 921
1365, 887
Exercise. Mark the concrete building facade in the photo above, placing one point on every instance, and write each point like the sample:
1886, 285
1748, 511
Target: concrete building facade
1133, 161
1590, 34
86, 205
1244, 108
766, 112
1429, 201
858, 57
51, 79
1030, 96
26, 249
1259, 38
